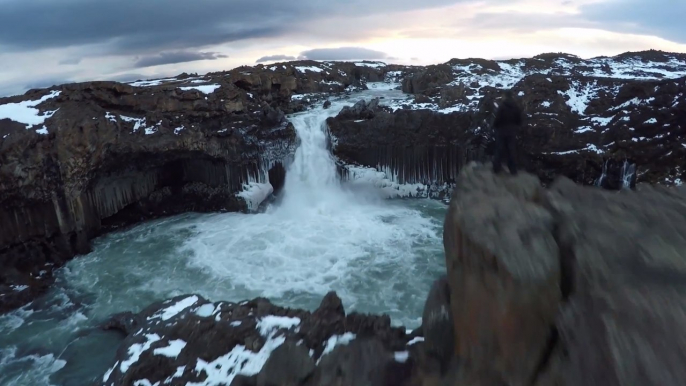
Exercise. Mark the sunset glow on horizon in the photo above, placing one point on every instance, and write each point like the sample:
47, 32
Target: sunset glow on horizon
402, 32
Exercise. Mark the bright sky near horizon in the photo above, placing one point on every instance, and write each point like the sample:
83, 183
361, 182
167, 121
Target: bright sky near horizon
46, 42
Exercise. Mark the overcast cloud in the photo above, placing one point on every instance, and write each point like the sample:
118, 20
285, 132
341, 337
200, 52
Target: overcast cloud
274, 58
74, 40
664, 18
176, 57
343, 53
134, 26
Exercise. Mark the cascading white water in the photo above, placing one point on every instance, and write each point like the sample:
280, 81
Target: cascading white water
379, 256
312, 176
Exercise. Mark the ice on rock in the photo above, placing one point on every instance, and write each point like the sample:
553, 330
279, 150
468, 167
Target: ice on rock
254, 193
26, 112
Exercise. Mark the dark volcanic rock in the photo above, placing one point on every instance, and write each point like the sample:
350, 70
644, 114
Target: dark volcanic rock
437, 322
288, 365
187, 339
504, 279
417, 145
584, 118
110, 155
361, 363
610, 269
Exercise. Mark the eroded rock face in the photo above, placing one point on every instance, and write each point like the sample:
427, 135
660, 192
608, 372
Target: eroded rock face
600, 274
504, 272
438, 323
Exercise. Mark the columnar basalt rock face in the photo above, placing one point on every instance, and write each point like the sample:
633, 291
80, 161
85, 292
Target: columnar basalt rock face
606, 121
106, 155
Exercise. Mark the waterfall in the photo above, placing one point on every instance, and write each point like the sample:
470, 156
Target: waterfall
603, 175
628, 174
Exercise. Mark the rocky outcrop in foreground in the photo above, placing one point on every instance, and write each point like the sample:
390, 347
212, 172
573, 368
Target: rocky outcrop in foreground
188, 340
558, 286
568, 285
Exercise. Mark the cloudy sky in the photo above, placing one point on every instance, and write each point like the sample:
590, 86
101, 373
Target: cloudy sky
46, 42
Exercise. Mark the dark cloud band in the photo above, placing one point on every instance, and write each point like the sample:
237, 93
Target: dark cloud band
274, 58
176, 57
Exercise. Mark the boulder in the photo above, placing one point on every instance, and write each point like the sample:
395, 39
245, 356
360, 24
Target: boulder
626, 275
437, 322
360, 363
288, 365
504, 271
600, 274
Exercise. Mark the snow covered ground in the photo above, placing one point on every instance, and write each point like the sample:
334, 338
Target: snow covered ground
26, 112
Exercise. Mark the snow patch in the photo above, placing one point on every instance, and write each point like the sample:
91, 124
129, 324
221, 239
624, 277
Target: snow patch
147, 83
583, 129
205, 311
602, 121
240, 361
205, 89
303, 69
651, 120
19, 288
579, 96
26, 113
371, 64
171, 351
401, 356
138, 122
415, 340
334, 341
382, 86
136, 349
174, 309
178, 129
268, 324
